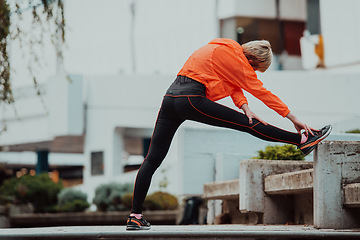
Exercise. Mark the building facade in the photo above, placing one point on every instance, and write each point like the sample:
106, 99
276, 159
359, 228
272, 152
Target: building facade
121, 56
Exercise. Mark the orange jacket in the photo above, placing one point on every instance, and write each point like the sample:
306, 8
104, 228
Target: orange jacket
225, 71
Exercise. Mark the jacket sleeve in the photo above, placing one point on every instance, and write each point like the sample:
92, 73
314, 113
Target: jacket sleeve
238, 98
255, 87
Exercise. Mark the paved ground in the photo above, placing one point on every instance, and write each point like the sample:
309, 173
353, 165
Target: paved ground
180, 232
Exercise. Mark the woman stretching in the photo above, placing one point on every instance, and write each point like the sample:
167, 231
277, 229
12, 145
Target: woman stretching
221, 68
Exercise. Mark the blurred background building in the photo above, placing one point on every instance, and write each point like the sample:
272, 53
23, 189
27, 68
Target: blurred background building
121, 56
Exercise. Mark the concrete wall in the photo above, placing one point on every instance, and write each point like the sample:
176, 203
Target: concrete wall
156, 39
256, 8
340, 37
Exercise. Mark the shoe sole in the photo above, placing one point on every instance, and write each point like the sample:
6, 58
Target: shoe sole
318, 140
137, 228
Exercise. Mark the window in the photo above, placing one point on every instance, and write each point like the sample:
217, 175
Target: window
137, 149
313, 16
97, 163
282, 34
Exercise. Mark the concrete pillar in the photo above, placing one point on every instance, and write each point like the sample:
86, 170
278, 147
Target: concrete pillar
43, 162
118, 150
226, 168
214, 209
336, 163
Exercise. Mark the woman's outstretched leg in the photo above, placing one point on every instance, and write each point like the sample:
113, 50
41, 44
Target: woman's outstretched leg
203, 110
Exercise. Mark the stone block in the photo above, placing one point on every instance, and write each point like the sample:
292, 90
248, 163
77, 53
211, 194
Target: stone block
222, 190
336, 164
290, 183
251, 180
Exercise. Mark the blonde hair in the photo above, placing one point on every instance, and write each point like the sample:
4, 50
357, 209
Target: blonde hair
259, 52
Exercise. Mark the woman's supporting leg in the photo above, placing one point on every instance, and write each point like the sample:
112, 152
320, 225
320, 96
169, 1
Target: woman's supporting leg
165, 128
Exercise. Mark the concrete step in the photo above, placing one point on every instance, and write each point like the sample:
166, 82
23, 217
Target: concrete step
208, 232
222, 190
290, 183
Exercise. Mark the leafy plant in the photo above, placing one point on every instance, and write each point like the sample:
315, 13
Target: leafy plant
39, 190
108, 196
71, 200
160, 201
74, 206
155, 201
285, 152
353, 131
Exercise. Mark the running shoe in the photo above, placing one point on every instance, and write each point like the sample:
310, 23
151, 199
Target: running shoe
137, 224
310, 144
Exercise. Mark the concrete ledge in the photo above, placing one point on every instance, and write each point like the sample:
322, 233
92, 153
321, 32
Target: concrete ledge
222, 190
180, 232
352, 195
251, 180
290, 183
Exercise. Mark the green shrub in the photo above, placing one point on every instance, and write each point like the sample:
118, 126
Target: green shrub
76, 205
160, 201
108, 196
69, 195
353, 131
285, 152
71, 200
39, 190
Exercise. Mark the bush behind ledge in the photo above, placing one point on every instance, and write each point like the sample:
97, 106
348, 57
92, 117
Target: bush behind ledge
285, 152
39, 190
156, 201
72, 200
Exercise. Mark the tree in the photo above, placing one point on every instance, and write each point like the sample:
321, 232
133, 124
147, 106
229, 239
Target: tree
52, 10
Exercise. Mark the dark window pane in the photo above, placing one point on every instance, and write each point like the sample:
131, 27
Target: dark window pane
293, 31
97, 163
313, 17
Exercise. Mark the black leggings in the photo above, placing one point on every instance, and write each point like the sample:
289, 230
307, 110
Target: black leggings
186, 100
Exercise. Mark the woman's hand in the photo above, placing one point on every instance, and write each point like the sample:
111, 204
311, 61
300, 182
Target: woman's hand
251, 115
300, 126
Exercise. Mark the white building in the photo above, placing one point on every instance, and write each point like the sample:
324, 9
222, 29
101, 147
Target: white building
123, 55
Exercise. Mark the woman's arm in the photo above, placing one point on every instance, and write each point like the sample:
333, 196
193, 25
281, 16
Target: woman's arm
299, 125
251, 115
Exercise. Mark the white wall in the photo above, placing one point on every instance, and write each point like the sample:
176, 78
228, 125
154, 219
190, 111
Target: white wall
164, 34
340, 22
26, 120
19, 53
244, 8
293, 10
317, 97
